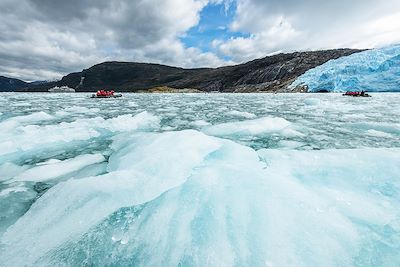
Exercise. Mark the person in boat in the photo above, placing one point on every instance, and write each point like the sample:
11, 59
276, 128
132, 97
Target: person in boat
362, 93
101, 93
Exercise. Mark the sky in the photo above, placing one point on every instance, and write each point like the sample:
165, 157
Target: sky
46, 39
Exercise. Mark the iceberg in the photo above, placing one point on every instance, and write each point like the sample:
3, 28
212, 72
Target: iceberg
376, 70
224, 204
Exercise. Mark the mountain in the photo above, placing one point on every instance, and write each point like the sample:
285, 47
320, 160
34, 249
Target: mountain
11, 84
376, 70
38, 82
272, 73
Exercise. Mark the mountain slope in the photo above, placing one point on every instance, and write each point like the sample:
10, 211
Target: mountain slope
273, 73
11, 84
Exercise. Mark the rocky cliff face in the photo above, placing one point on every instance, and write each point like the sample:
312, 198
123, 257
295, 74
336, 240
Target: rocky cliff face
270, 74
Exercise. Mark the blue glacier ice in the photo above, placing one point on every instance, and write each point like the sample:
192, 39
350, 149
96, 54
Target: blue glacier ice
200, 180
376, 70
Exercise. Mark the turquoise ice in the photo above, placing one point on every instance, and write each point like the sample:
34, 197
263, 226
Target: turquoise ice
200, 180
376, 70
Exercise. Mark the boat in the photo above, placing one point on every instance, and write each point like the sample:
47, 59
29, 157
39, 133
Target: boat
61, 89
356, 94
105, 94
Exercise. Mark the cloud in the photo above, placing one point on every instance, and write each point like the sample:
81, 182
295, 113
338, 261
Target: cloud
276, 25
45, 39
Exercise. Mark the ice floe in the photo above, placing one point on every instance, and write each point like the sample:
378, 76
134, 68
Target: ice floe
55, 169
223, 204
266, 125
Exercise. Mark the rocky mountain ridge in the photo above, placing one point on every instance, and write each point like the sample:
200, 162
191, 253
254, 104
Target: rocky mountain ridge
269, 74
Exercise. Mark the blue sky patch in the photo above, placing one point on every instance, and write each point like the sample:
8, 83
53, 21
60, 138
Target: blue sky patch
214, 25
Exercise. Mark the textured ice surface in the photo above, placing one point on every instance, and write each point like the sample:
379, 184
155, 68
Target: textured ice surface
376, 70
195, 180
54, 169
261, 126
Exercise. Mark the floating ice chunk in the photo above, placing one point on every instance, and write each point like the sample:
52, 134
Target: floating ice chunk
50, 161
141, 121
91, 170
143, 152
203, 201
9, 170
30, 137
80, 109
78, 204
199, 123
287, 144
332, 173
54, 169
12, 190
266, 125
241, 114
34, 117
312, 101
378, 133
21, 104
18, 138
15, 200
388, 128
356, 117
132, 104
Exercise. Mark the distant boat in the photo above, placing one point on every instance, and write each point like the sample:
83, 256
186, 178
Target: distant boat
61, 89
356, 94
105, 94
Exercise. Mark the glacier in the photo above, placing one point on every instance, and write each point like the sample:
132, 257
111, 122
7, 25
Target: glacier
376, 70
200, 180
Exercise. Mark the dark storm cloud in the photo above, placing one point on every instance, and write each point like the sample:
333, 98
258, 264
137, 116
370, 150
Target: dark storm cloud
62, 11
42, 39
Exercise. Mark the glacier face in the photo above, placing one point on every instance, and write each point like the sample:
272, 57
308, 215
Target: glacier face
376, 70
200, 180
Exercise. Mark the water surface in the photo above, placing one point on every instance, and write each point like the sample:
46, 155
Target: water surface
200, 180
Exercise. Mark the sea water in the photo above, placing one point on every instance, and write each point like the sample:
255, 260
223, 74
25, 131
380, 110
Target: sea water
199, 180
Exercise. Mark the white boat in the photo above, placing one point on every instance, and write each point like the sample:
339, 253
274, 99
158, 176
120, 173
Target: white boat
61, 89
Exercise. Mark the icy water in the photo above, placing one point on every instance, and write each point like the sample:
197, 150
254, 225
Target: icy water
199, 180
